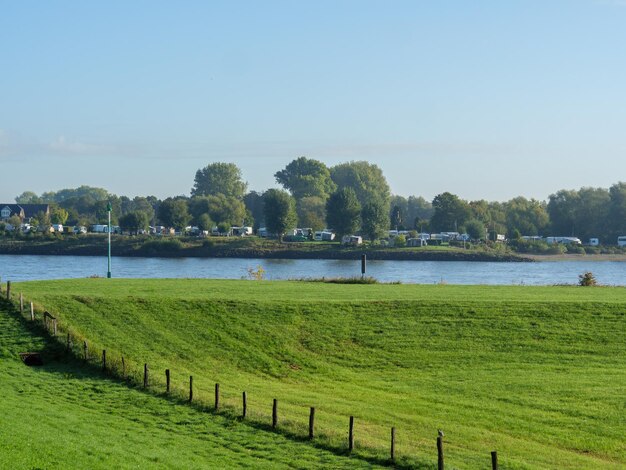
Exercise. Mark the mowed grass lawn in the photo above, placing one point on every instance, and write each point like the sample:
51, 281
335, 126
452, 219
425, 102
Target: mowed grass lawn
68, 415
536, 373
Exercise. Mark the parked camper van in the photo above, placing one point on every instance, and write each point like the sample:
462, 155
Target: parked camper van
241, 231
621, 240
324, 236
99, 228
415, 242
352, 240
564, 240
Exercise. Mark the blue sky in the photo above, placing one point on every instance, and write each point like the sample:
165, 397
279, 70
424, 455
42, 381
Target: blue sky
486, 99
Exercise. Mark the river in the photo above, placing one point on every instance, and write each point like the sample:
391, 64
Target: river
29, 267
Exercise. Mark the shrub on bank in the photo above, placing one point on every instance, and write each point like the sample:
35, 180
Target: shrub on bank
587, 279
537, 247
168, 245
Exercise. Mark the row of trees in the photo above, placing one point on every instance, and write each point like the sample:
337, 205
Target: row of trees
352, 197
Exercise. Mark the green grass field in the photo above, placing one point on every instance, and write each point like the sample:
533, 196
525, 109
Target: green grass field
68, 415
536, 373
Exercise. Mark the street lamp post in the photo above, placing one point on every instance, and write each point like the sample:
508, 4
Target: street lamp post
109, 208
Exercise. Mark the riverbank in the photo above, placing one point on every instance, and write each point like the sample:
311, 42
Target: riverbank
96, 245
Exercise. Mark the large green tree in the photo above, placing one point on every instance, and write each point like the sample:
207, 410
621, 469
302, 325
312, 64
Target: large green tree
28, 197
617, 212
254, 205
366, 179
418, 208
343, 212
375, 219
398, 214
134, 221
312, 212
562, 209
279, 211
219, 178
58, 215
173, 212
475, 229
97, 194
219, 208
526, 216
305, 177
450, 212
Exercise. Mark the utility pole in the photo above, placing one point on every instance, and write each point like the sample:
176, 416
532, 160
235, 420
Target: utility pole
109, 208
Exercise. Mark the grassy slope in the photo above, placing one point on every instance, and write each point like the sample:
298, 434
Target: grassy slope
537, 373
67, 415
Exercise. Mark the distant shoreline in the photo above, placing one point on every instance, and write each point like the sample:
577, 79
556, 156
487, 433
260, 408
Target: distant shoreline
242, 248
576, 257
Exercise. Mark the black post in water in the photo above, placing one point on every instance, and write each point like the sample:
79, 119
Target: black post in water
363, 264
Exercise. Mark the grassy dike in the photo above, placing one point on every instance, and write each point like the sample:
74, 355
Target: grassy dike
66, 414
536, 373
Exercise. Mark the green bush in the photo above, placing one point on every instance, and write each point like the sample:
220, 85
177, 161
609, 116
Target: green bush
162, 246
587, 279
537, 247
400, 241
576, 249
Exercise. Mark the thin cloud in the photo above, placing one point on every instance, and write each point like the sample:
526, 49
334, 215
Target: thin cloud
63, 146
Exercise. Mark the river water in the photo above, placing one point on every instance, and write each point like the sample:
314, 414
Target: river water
29, 267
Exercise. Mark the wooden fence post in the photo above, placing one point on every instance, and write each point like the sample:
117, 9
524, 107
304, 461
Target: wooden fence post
245, 405
85, 350
494, 460
217, 396
439, 453
145, 376
32, 312
167, 381
123, 368
54, 326
104, 360
21, 303
190, 388
393, 445
69, 342
351, 435
275, 414
8, 290
311, 422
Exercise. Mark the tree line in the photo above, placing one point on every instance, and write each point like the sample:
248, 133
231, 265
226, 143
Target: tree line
352, 197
